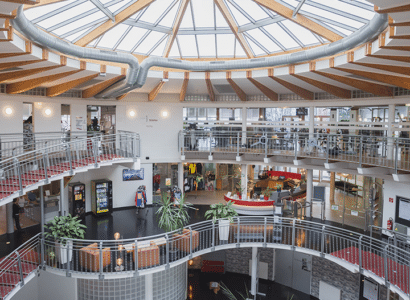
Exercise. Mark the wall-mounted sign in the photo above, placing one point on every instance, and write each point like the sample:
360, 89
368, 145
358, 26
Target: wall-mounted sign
355, 213
79, 123
391, 200
168, 181
131, 174
335, 207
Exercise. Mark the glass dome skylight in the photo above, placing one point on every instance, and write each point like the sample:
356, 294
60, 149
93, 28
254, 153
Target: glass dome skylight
207, 28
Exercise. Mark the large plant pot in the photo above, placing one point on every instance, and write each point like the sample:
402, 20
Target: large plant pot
61, 252
223, 230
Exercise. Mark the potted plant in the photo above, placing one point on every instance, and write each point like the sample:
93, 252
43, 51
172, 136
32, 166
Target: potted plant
224, 213
61, 229
267, 192
278, 187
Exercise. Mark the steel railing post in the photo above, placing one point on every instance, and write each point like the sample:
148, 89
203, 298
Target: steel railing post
94, 144
396, 157
190, 242
20, 269
238, 221
70, 160
293, 233
45, 162
264, 231
100, 261
18, 173
296, 146
386, 272
167, 251
237, 144
213, 236
327, 148
68, 259
136, 258
42, 246
361, 152
322, 242
360, 255
266, 148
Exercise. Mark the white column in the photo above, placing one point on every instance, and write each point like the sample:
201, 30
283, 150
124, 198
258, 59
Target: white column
354, 117
244, 121
9, 217
333, 120
62, 200
244, 181
392, 117
309, 191
148, 287
181, 177
254, 273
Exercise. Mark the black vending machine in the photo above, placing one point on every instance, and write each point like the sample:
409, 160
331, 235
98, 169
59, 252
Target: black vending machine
101, 197
76, 196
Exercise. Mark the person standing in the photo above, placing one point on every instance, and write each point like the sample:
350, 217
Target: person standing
16, 214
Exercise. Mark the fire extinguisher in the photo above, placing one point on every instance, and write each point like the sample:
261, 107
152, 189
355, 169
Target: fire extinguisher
390, 224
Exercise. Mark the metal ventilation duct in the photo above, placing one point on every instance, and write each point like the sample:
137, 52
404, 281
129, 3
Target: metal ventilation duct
137, 74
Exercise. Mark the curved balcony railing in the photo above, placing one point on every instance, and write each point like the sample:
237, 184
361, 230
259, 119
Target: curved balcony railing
32, 167
386, 152
383, 261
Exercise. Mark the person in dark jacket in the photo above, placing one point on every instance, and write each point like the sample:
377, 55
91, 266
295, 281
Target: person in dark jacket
16, 213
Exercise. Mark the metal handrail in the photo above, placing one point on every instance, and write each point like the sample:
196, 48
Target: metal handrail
389, 152
91, 258
32, 167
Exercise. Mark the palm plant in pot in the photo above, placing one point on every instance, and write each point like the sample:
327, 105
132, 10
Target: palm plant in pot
224, 213
267, 192
60, 230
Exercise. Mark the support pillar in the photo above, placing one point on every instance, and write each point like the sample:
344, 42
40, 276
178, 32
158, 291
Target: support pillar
332, 187
148, 287
311, 121
9, 217
181, 177
62, 200
392, 118
254, 273
244, 124
309, 191
42, 220
244, 181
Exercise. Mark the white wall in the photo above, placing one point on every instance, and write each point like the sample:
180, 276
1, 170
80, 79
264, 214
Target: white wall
391, 189
52, 287
43, 122
123, 191
14, 122
78, 110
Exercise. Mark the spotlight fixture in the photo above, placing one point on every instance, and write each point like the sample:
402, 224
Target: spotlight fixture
116, 235
132, 113
9, 111
47, 111
165, 114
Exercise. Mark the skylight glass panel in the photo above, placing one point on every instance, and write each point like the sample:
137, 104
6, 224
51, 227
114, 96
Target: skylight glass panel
169, 18
255, 48
149, 42
137, 15
341, 30
188, 45
187, 18
74, 36
225, 45
203, 13
36, 12
238, 16
155, 10
219, 19
174, 50
278, 33
239, 52
264, 40
131, 39
80, 23
252, 9
349, 8
302, 34
111, 37
68, 14
117, 7
159, 50
206, 45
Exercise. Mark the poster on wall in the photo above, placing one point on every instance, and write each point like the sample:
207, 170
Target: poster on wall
370, 290
79, 123
402, 211
168, 181
131, 174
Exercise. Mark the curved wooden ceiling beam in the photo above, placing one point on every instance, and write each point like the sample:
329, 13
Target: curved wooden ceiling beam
392, 57
305, 94
209, 86
184, 87
119, 18
64, 87
232, 24
264, 89
154, 93
391, 10
9, 65
374, 88
42, 2
389, 68
239, 92
299, 19
8, 76
99, 87
175, 28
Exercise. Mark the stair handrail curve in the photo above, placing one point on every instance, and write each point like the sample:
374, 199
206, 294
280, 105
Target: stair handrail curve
34, 166
387, 152
99, 259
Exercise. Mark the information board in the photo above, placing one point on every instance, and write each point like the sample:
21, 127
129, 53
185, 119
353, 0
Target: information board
402, 210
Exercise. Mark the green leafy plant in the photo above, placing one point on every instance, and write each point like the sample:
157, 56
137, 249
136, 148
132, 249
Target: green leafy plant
278, 186
221, 211
63, 227
170, 216
231, 296
267, 192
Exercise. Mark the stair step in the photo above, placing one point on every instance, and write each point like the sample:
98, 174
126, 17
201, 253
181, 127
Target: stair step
9, 278
5, 289
11, 265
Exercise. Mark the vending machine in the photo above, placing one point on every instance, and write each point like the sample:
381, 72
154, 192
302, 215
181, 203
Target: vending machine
76, 196
101, 197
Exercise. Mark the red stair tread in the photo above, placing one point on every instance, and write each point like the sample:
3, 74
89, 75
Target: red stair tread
4, 195
8, 278
5, 289
10, 189
27, 255
12, 265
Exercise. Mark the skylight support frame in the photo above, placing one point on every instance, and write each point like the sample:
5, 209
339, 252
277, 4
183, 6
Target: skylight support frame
296, 11
101, 7
57, 11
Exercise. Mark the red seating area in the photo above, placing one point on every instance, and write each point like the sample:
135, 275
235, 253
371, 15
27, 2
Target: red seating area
397, 274
11, 185
288, 175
